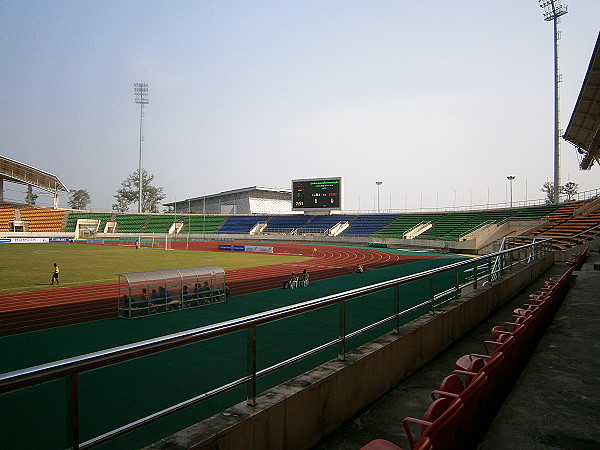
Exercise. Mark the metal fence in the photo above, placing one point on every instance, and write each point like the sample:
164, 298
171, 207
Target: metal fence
465, 275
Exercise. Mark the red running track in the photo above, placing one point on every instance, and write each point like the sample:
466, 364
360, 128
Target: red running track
26, 311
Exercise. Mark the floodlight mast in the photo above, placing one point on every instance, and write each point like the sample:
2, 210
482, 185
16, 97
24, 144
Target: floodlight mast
552, 12
140, 91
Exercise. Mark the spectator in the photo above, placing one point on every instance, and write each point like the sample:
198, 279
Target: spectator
227, 290
304, 281
293, 283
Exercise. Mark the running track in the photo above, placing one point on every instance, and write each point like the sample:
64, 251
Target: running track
33, 310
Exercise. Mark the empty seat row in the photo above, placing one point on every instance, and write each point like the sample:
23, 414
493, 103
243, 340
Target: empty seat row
468, 399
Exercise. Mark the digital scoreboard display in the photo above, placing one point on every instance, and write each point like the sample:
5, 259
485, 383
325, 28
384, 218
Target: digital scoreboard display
317, 193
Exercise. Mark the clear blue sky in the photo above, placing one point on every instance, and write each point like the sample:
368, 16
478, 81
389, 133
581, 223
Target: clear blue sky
438, 100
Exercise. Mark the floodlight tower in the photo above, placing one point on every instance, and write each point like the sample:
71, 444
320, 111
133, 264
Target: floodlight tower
378, 183
552, 12
140, 91
510, 179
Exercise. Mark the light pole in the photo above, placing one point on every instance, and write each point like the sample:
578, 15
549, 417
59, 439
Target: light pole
140, 91
510, 179
552, 11
378, 183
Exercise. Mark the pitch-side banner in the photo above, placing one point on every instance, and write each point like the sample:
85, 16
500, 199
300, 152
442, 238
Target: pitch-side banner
25, 241
32, 240
246, 248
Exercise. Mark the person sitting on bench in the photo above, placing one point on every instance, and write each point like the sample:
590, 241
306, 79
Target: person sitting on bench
293, 283
304, 280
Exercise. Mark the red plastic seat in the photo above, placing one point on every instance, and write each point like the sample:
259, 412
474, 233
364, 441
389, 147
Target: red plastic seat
472, 365
449, 431
435, 410
469, 364
450, 387
380, 444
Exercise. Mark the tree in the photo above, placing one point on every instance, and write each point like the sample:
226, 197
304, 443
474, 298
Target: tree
570, 190
79, 199
128, 193
30, 198
548, 188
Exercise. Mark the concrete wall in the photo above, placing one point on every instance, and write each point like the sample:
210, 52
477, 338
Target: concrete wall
299, 413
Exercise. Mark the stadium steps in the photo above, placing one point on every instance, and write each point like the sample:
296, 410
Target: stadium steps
63, 226
145, 224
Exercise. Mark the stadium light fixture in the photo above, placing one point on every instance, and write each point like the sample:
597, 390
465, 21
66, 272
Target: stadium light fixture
378, 183
552, 12
510, 179
140, 91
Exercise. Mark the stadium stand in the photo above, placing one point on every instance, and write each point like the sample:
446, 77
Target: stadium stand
240, 224
74, 215
405, 222
131, 223
461, 412
534, 212
446, 227
287, 223
7, 214
578, 218
202, 223
161, 223
321, 224
368, 224
43, 219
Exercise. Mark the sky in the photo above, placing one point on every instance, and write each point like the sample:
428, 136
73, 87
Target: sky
440, 101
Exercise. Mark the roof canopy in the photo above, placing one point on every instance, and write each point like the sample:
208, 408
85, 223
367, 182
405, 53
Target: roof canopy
21, 173
584, 128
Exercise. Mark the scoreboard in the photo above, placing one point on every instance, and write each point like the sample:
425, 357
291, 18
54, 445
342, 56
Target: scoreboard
317, 193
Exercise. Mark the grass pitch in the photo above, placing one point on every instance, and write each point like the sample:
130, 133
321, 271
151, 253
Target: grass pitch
25, 267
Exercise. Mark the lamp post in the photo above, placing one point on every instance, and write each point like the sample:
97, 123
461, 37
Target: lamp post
552, 11
510, 179
378, 183
140, 91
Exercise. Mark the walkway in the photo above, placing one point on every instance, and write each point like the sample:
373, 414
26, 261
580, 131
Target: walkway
554, 403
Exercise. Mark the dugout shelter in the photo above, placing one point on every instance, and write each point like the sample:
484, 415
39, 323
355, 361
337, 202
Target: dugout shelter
158, 291
584, 127
16, 172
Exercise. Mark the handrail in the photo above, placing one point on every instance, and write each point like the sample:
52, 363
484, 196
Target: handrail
72, 367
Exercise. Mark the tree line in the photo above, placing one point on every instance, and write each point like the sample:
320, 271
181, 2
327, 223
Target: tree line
128, 194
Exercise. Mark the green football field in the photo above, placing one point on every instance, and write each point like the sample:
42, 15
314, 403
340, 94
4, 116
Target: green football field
25, 267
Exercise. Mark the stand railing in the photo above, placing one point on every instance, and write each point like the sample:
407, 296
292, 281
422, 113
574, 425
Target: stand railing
469, 274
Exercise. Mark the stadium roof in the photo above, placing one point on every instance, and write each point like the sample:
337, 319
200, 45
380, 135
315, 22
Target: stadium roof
584, 128
234, 192
16, 172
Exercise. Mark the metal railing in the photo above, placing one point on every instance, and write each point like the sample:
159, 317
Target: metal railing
470, 273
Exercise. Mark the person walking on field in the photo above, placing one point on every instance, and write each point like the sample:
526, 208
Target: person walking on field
55, 274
